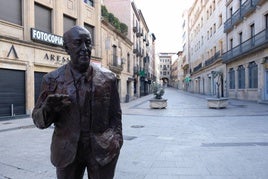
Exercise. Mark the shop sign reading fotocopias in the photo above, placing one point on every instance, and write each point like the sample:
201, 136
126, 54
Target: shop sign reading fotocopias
45, 37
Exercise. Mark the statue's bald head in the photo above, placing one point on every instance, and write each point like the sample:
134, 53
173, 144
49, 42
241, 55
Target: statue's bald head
71, 33
77, 43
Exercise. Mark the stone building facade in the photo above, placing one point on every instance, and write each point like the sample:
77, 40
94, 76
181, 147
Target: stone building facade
165, 63
31, 46
206, 44
138, 33
246, 56
116, 54
229, 37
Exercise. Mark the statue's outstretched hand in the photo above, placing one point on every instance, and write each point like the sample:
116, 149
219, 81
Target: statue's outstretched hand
57, 102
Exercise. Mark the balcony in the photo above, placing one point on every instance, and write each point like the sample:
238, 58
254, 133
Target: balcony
259, 2
246, 9
135, 29
114, 66
198, 67
253, 44
213, 59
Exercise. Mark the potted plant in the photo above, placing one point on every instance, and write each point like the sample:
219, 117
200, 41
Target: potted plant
220, 101
158, 102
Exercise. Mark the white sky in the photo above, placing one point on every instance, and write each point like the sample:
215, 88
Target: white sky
164, 19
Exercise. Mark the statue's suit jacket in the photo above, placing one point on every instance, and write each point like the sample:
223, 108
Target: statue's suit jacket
102, 105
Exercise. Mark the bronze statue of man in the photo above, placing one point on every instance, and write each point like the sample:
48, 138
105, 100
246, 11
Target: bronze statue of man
82, 101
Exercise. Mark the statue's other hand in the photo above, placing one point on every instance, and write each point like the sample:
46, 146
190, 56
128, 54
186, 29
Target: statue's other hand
57, 102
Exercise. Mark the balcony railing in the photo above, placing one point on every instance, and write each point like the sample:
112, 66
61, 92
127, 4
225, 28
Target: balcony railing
198, 67
115, 66
255, 43
246, 8
212, 59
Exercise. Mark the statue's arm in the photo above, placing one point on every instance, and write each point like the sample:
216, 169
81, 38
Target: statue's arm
42, 115
116, 113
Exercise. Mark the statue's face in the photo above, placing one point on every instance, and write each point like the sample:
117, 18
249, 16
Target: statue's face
78, 46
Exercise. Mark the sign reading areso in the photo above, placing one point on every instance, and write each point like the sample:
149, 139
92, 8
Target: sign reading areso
45, 37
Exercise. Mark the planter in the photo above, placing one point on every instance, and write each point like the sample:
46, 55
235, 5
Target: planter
158, 103
217, 103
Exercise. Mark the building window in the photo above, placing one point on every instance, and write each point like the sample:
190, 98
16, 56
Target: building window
253, 75
232, 78
241, 77
240, 41
266, 21
231, 43
89, 2
128, 62
231, 12
11, 11
114, 55
91, 29
68, 23
214, 28
221, 46
42, 18
220, 20
252, 30
240, 38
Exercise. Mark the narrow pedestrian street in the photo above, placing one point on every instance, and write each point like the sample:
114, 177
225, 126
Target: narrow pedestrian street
187, 140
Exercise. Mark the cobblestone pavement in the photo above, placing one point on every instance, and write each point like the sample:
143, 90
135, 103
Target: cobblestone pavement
187, 140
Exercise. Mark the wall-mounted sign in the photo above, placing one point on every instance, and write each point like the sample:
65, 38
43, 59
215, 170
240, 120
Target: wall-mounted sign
58, 59
45, 37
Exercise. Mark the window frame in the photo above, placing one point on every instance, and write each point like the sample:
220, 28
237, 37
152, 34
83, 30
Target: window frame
241, 77
252, 75
42, 26
91, 29
231, 78
66, 17
12, 14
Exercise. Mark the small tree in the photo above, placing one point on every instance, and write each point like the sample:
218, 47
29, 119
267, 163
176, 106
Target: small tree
158, 91
123, 28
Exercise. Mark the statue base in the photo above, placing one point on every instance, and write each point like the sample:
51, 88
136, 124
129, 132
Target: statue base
217, 103
158, 103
